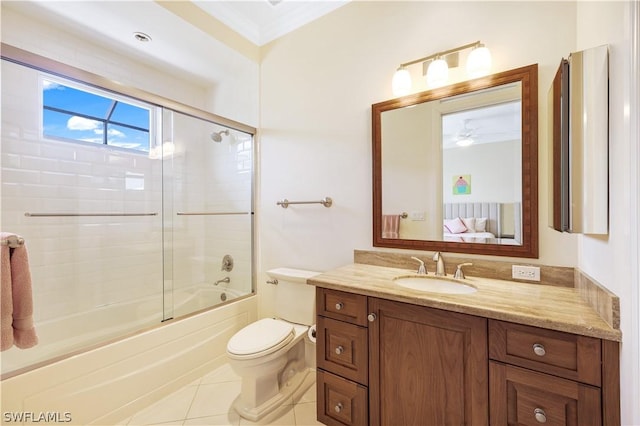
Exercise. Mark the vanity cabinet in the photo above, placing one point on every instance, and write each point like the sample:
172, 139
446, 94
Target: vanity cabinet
541, 376
342, 358
382, 362
427, 366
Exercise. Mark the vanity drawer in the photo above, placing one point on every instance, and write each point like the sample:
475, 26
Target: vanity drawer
342, 306
340, 401
343, 349
554, 352
522, 397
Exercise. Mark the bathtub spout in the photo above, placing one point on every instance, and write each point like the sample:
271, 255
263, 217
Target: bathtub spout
224, 280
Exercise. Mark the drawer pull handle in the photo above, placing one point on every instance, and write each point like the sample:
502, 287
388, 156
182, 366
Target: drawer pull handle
541, 416
371, 317
339, 306
338, 407
339, 350
539, 350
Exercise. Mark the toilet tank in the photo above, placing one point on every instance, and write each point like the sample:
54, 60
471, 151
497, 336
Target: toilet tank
295, 299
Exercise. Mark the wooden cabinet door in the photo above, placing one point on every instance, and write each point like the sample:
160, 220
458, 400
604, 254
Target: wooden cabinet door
427, 366
342, 349
523, 397
340, 401
561, 354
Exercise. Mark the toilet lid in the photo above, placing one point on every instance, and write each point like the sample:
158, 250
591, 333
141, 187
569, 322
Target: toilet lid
260, 336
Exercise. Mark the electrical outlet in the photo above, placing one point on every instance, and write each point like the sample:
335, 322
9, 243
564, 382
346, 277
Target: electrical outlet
531, 273
417, 215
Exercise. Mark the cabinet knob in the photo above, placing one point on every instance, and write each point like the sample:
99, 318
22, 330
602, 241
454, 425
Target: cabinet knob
339, 306
371, 317
539, 350
338, 407
339, 350
540, 415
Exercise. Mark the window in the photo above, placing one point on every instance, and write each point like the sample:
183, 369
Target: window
72, 111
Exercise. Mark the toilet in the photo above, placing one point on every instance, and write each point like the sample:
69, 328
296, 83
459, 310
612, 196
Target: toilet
272, 355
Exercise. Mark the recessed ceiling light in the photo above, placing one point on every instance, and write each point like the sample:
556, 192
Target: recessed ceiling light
274, 3
142, 37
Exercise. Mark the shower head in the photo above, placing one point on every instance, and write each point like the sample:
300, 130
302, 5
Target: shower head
217, 136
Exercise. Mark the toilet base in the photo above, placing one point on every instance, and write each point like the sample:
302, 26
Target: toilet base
274, 407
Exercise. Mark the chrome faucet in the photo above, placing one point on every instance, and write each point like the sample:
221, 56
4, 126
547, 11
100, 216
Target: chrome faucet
440, 271
459, 274
421, 269
226, 280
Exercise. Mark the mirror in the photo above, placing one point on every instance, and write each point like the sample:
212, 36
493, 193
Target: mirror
456, 168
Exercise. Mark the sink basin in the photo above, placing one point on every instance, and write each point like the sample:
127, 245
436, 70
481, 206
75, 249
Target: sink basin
434, 284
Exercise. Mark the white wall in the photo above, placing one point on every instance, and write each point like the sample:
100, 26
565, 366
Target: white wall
610, 259
317, 87
494, 169
411, 157
110, 383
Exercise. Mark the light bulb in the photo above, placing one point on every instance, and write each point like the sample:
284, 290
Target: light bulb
479, 62
401, 82
437, 73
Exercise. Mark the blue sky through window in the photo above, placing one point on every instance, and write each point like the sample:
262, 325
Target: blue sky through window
83, 115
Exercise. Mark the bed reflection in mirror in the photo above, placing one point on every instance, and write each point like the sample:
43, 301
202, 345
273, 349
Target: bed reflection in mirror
468, 150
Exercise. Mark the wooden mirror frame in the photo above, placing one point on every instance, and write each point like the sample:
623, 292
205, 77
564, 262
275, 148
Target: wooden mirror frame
528, 77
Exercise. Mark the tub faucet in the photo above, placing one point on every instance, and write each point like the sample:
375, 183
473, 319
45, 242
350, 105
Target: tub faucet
227, 263
224, 280
421, 269
440, 271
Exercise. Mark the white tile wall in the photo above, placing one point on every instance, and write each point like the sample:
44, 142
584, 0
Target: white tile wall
77, 263
81, 263
205, 178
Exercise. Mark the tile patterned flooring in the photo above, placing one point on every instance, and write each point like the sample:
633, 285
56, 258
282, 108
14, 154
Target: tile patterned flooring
207, 401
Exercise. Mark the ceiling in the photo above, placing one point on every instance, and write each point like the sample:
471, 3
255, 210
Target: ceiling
488, 124
184, 43
262, 21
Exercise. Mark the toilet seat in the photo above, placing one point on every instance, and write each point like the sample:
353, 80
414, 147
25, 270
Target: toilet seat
260, 338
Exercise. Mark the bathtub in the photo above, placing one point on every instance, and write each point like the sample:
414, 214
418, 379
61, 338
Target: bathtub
112, 382
73, 333
199, 297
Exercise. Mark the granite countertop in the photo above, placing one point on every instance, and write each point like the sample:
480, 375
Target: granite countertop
546, 306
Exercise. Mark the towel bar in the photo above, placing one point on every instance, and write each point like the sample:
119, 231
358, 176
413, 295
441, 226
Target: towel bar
12, 241
326, 201
208, 213
86, 214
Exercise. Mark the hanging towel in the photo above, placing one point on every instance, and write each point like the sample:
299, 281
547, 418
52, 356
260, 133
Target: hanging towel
17, 299
6, 301
390, 226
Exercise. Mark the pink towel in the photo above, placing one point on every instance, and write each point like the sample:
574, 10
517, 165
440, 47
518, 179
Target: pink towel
16, 313
390, 226
6, 301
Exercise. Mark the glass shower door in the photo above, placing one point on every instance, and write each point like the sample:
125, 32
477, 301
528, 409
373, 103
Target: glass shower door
208, 219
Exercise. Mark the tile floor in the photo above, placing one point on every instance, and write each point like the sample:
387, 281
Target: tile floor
207, 401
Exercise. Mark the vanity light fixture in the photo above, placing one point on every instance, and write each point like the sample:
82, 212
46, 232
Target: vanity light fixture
436, 67
437, 73
401, 82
